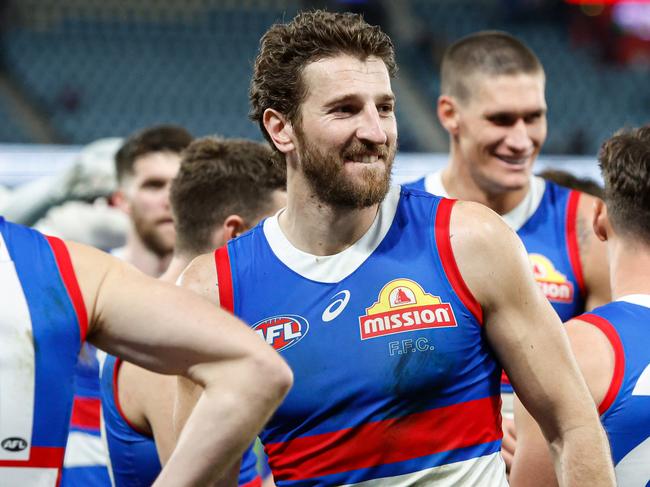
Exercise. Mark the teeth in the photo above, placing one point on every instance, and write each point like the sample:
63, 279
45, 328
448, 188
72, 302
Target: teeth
369, 159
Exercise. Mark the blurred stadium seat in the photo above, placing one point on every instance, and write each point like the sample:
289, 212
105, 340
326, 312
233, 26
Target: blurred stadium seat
106, 68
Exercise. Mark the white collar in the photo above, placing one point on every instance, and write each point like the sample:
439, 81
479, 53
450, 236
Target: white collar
640, 299
333, 268
515, 218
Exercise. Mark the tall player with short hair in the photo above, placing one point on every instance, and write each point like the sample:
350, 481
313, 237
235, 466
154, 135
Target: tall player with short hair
611, 342
58, 295
493, 106
223, 188
391, 306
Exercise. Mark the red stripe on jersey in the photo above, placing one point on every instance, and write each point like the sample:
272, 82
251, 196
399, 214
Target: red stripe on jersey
619, 358
572, 239
256, 482
39, 457
449, 262
62, 257
85, 413
387, 441
224, 278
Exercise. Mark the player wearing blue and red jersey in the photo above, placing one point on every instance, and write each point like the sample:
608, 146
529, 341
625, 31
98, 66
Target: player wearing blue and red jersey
611, 342
391, 306
493, 106
55, 295
133, 454
85, 456
224, 187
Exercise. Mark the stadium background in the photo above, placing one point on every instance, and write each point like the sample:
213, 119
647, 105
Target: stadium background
73, 71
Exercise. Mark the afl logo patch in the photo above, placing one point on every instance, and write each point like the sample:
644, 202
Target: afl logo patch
282, 331
14, 444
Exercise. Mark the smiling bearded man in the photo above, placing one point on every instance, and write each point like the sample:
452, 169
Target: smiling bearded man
391, 328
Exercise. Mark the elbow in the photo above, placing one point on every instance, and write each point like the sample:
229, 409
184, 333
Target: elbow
276, 377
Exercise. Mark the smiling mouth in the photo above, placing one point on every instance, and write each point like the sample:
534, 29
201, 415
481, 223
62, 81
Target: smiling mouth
367, 159
515, 161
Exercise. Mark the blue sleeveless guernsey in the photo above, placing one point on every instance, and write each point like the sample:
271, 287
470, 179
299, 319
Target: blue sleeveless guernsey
625, 410
392, 376
43, 323
85, 453
550, 238
134, 459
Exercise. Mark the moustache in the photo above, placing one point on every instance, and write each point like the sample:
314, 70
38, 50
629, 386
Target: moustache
358, 149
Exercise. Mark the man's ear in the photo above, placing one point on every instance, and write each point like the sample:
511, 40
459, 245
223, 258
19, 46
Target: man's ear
233, 226
279, 129
448, 113
601, 224
121, 201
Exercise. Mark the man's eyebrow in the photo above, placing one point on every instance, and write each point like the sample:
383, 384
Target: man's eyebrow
352, 97
515, 113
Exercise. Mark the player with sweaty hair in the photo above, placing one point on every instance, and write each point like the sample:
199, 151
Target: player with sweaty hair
394, 308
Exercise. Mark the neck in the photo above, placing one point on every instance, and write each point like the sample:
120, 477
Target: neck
137, 254
176, 268
317, 228
459, 183
629, 265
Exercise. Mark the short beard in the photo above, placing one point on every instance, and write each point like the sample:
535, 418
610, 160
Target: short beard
153, 239
325, 175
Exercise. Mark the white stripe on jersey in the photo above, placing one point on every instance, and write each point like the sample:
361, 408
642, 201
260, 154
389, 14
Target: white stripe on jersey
17, 363
486, 471
29, 477
84, 450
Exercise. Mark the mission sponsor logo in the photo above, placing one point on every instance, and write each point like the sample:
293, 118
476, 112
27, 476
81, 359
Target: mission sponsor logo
283, 331
555, 285
404, 306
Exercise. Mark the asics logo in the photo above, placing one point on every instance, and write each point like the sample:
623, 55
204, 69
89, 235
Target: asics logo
337, 306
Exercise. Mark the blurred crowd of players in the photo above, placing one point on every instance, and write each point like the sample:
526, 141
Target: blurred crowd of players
160, 198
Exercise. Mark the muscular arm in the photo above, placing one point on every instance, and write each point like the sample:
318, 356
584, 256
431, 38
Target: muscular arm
179, 333
533, 466
200, 277
593, 256
527, 337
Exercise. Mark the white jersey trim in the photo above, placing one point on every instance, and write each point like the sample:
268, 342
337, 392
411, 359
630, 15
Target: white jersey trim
485, 471
515, 218
333, 268
28, 476
18, 368
84, 450
639, 299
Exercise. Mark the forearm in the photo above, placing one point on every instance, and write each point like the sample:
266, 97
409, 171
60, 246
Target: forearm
582, 457
223, 423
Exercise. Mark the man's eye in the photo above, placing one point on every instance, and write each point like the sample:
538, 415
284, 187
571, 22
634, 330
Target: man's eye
502, 120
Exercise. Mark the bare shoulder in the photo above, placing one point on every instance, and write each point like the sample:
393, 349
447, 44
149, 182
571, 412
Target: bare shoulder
474, 225
91, 266
594, 354
200, 276
486, 250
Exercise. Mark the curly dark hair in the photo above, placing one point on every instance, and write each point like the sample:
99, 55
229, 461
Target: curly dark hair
220, 177
286, 49
625, 164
